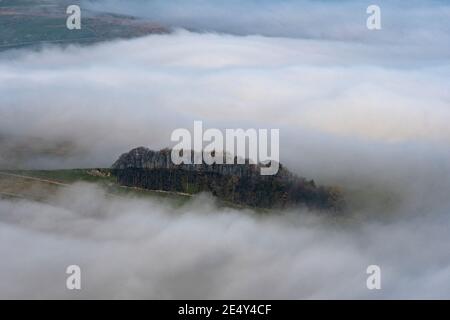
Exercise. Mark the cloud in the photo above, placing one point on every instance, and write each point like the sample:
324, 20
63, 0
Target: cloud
366, 112
112, 96
135, 248
353, 118
418, 22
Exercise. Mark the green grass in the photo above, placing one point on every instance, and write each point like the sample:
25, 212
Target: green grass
67, 176
106, 181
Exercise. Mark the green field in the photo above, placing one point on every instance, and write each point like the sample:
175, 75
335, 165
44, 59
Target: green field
29, 23
42, 185
39, 185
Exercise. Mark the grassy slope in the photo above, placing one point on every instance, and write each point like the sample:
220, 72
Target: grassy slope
40, 184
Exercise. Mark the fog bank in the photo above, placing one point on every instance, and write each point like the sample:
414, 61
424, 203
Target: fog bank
130, 248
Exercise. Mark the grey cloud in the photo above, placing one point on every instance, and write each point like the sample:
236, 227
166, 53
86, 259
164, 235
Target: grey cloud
415, 22
130, 248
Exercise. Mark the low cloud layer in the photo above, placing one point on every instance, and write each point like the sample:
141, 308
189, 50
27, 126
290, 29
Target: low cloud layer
130, 248
368, 114
109, 97
417, 22
356, 117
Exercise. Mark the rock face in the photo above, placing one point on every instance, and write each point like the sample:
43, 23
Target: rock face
237, 183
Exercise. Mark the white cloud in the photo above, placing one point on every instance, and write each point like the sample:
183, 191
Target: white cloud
417, 22
112, 96
130, 248
368, 114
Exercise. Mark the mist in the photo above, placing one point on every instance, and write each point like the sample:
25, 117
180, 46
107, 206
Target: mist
131, 248
367, 112
351, 118
418, 22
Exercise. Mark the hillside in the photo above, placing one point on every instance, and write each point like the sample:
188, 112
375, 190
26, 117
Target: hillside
26, 23
42, 185
239, 184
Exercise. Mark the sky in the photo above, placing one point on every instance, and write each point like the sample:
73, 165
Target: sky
365, 110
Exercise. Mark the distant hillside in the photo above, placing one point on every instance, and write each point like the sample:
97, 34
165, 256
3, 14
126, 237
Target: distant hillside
26, 23
239, 184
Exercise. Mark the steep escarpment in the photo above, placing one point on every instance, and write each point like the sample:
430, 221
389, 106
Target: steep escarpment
238, 183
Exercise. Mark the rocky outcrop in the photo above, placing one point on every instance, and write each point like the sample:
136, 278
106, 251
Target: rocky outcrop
240, 184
